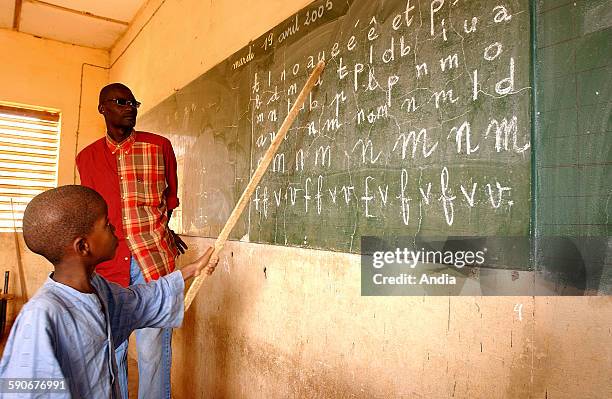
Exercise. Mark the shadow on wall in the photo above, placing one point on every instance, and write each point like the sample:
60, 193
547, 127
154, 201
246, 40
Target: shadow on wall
573, 266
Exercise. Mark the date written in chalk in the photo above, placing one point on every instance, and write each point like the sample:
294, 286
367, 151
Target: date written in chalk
32, 385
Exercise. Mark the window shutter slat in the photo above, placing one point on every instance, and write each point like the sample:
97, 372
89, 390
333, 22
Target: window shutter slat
29, 144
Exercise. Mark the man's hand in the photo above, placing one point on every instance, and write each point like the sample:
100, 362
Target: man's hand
206, 263
178, 241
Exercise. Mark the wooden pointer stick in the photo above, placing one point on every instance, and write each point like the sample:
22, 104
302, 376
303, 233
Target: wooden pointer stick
259, 172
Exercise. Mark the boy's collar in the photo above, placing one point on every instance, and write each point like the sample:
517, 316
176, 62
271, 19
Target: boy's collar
52, 281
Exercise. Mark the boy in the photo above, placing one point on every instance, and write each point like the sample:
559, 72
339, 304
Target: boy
70, 328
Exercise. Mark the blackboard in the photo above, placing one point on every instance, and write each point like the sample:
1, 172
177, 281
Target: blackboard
572, 184
420, 125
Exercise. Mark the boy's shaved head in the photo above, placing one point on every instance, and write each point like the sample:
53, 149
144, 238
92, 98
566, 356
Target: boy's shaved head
54, 218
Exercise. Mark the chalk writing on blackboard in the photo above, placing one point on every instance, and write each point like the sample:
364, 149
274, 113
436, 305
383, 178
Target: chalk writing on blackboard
411, 109
419, 125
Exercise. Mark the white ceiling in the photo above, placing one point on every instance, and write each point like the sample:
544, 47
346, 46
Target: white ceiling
92, 23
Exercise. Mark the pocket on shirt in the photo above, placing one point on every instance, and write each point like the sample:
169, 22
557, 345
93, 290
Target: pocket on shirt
149, 193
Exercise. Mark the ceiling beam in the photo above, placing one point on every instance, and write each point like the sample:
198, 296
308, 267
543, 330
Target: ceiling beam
73, 11
17, 14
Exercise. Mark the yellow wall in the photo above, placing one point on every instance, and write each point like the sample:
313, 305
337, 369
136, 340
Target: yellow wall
47, 73
50, 74
301, 329
185, 38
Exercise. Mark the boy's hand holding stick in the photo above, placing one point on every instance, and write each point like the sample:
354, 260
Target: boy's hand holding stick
206, 263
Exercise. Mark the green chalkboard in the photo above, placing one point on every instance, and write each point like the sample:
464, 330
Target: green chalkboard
388, 130
420, 125
573, 136
212, 141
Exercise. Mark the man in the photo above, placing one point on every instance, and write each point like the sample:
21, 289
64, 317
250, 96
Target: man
135, 172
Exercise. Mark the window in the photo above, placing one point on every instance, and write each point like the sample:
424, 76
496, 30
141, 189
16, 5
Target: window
29, 145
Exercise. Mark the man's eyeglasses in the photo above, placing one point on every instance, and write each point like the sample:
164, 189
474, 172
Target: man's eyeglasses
124, 103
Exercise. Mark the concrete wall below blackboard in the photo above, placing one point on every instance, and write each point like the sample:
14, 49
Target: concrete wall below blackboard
278, 322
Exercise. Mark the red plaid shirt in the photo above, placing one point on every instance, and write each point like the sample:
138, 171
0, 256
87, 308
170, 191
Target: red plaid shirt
137, 178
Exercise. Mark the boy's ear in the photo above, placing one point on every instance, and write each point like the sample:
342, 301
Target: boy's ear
101, 108
81, 246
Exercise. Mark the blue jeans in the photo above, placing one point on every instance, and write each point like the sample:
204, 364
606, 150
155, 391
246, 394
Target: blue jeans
154, 355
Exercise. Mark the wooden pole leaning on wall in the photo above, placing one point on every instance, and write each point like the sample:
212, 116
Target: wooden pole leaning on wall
259, 172
22, 280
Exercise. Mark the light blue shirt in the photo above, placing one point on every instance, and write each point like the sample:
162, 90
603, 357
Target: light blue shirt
64, 333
